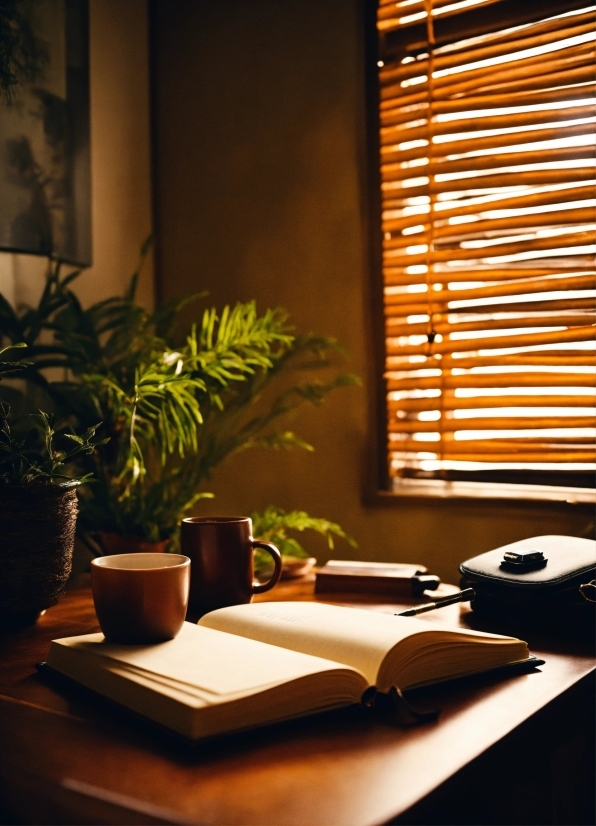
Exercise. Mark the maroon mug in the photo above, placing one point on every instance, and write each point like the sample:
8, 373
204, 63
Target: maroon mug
220, 549
140, 598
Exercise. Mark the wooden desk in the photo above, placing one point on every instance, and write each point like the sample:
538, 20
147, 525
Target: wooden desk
513, 751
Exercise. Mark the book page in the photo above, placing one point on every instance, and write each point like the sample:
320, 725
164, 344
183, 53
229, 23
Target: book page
212, 662
352, 636
388, 650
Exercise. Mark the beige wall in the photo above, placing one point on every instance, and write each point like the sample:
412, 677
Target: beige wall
120, 162
259, 125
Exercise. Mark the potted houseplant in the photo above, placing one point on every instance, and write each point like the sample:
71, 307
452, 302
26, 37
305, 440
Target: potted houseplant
38, 510
173, 404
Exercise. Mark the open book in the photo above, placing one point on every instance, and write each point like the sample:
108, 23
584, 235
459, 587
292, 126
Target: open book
249, 665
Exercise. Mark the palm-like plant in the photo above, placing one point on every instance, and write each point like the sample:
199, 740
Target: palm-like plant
172, 408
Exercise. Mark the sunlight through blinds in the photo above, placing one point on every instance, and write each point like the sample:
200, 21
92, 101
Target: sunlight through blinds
488, 208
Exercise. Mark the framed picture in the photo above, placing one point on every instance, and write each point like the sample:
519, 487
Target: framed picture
45, 188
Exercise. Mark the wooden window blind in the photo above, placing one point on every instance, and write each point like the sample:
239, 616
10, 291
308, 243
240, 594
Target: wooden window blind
488, 218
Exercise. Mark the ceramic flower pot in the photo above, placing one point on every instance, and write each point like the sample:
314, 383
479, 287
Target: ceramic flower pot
37, 530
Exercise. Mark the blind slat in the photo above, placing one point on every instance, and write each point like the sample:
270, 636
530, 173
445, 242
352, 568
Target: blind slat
515, 200
494, 342
554, 218
508, 199
489, 100
419, 6
496, 446
395, 277
493, 380
412, 130
492, 446
462, 144
543, 285
483, 76
497, 423
461, 187
394, 364
483, 222
459, 59
451, 402
556, 75
544, 456
439, 309
389, 8
453, 234
562, 245
552, 358
490, 103
386, 24
468, 143
450, 65
397, 172
445, 328
401, 311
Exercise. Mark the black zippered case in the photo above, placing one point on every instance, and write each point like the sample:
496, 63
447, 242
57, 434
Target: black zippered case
552, 588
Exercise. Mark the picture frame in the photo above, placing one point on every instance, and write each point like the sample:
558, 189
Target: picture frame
45, 174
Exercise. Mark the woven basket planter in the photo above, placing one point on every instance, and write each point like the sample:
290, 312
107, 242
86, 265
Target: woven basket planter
37, 529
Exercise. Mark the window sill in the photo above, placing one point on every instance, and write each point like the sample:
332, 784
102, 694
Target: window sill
450, 491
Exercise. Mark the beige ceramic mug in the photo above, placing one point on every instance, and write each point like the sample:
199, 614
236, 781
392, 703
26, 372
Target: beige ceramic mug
140, 598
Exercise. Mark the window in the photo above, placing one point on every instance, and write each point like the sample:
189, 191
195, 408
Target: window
487, 133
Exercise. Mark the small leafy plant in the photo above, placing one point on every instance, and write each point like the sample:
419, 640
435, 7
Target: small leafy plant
22, 462
273, 524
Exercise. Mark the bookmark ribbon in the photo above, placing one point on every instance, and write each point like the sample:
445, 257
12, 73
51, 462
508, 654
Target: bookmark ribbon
403, 712
405, 709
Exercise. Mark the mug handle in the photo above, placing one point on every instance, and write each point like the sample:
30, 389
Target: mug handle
260, 588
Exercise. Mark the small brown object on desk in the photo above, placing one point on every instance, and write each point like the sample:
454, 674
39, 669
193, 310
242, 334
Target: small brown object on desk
388, 579
518, 750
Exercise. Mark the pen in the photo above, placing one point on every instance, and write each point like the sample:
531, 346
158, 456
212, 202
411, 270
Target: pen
462, 596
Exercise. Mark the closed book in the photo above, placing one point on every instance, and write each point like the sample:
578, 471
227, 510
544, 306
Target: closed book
388, 579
